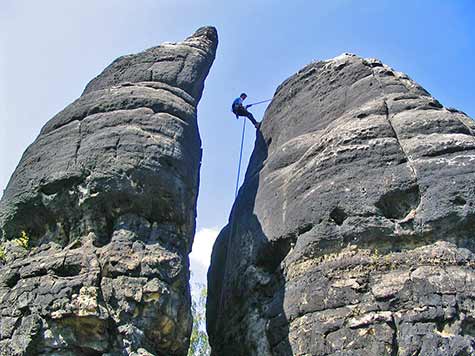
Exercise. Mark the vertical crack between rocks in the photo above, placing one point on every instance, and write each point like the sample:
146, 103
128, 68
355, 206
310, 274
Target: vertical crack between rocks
78, 145
116, 147
111, 323
396, 136
394, 345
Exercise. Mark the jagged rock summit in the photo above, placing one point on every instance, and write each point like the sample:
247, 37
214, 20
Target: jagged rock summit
353, 232
98, 218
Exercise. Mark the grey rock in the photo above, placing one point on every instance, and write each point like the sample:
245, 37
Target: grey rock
353, 231
106, 197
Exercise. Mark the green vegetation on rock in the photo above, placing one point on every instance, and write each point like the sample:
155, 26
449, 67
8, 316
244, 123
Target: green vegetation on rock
199, 345
2, 253
23, 240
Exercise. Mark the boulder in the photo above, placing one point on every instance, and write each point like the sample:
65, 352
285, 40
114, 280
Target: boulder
352, 233
98, 218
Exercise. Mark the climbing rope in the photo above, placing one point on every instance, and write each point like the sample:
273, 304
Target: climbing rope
240, 157
231, 219
260, 102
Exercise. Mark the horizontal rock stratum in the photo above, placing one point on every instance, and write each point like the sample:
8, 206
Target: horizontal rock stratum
353, 233
99, 216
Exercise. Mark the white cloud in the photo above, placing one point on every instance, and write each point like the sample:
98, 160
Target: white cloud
200, 256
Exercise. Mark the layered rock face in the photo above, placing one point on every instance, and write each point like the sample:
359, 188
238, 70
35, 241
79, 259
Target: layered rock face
353, 231
98, 218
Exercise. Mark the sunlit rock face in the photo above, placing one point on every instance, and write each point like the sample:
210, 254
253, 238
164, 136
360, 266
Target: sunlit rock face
105, 202
353, 233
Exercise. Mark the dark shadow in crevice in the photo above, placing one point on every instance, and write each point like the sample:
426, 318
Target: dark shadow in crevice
246, 276
397, 204
68, 270
338, 215
468, 326
12, 279
85, 351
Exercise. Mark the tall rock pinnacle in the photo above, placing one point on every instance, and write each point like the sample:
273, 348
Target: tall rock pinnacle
353, 231
98, 218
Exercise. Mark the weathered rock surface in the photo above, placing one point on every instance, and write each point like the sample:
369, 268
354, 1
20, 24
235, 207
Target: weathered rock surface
353, 233
106, 197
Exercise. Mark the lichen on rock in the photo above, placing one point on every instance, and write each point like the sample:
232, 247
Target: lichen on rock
107, 196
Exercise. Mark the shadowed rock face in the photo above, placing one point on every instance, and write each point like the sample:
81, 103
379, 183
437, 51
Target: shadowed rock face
353, 231
106, 196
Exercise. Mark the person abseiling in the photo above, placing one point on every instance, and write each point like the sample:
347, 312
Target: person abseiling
239, 109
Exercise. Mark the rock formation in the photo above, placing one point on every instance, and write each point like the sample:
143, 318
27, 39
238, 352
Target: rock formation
98, 218
353, 231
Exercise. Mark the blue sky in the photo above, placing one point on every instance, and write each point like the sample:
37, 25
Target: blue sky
50, 49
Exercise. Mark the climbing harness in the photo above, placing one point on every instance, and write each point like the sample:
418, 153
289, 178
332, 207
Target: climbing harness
240, 158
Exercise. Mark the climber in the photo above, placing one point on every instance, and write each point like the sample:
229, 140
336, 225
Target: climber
240, 110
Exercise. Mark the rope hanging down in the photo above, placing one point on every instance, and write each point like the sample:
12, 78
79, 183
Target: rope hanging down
231, 219
231, 222
240, 158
